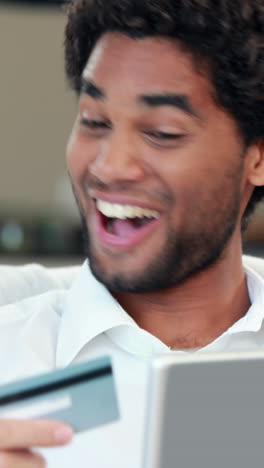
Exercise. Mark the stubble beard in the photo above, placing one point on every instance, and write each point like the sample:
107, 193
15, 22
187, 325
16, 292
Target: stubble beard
185, 253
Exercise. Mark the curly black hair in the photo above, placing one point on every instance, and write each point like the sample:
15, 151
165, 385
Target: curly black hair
229, 34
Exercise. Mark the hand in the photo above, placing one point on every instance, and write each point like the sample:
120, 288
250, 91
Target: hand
18, 437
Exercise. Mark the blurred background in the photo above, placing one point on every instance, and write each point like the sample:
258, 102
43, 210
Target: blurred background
38, 218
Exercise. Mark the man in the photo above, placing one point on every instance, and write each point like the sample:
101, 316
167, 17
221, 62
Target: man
166, 160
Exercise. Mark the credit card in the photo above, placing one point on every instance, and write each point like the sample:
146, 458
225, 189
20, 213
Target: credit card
82, 395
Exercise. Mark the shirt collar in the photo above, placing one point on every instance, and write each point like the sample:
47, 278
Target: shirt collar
89, 310
253, 320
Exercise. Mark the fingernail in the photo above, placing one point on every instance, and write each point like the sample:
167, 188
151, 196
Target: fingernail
63, 435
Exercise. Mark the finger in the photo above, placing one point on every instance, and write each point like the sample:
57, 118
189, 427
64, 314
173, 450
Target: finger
21, 459
33, 433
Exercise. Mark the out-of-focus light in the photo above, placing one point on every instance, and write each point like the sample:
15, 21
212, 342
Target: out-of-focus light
12, 236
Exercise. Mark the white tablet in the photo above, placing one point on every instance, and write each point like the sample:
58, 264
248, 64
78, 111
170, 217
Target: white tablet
206, 411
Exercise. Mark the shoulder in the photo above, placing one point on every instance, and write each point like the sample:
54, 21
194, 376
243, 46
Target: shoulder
49, 303
28, 335
20, 282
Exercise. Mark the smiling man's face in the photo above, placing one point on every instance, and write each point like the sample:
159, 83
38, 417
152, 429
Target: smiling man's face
156, 165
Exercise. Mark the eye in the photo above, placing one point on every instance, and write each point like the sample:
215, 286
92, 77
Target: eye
165, 136
163, 139
94, 124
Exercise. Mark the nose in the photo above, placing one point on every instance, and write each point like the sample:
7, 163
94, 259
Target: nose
117, 161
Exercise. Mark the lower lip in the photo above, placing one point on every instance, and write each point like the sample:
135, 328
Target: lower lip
111, 240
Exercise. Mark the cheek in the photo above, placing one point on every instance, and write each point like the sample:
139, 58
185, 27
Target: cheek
79, 156
192, 187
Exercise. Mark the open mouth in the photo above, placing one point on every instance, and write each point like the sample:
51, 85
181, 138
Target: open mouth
124, 225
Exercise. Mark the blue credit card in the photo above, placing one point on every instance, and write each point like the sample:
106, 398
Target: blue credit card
82, 395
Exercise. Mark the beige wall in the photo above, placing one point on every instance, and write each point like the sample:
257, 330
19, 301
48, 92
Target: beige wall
36, 109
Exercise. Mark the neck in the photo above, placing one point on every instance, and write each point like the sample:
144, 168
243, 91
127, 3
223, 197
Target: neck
195, 313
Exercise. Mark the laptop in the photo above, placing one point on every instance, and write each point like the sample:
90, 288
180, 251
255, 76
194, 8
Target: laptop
206, 411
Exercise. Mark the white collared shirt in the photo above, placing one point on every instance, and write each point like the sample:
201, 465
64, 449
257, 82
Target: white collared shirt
59, 328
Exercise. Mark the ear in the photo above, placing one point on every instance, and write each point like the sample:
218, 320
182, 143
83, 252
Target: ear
255, 163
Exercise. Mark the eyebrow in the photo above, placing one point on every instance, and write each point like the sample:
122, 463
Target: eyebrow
180, 101
89, 88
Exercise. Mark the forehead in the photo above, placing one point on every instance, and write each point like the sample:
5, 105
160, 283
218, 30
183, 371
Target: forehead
128, 67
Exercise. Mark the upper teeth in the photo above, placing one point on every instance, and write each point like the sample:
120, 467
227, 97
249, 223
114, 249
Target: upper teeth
124, 211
